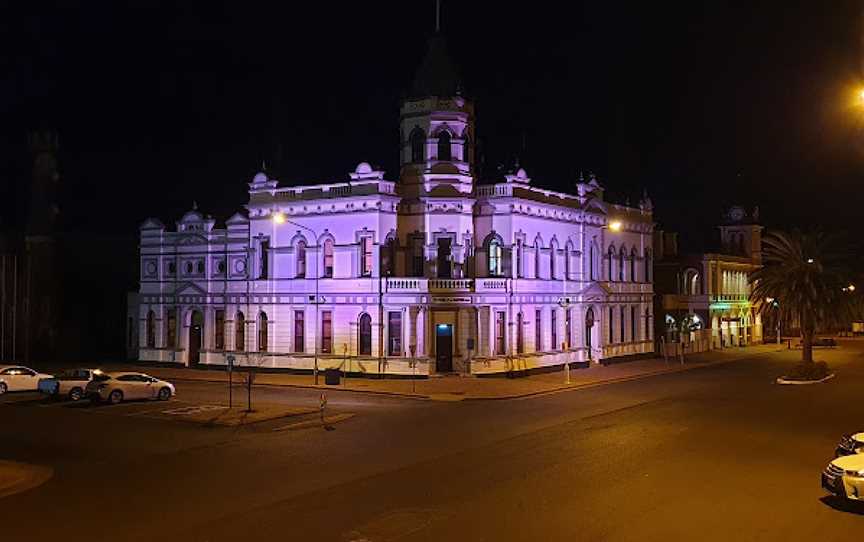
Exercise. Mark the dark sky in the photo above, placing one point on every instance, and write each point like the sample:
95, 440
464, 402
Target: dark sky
704, 104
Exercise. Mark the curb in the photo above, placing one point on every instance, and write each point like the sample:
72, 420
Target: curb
559, 389
25, 477
620, 380
418, 396
786, 382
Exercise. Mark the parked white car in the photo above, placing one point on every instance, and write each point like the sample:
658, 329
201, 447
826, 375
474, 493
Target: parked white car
18, 378
119, 387
844, 477
70, 384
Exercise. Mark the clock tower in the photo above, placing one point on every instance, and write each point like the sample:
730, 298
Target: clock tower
741, 234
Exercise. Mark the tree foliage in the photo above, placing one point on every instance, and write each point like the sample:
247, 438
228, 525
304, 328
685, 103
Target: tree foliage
803, 273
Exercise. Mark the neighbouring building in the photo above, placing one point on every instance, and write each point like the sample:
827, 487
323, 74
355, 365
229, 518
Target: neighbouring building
703, 299
370, 274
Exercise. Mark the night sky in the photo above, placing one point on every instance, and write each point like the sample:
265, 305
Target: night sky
159, 104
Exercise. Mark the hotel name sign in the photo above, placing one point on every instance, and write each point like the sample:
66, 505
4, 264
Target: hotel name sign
452, 300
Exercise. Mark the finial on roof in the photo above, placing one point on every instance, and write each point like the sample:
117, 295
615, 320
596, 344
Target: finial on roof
581, 177
194, 205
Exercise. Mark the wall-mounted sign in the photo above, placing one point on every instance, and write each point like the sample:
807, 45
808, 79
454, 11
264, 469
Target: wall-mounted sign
452, 300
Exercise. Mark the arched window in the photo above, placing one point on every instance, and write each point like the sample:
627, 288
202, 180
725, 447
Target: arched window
520, 257
364, 348
151, 329
538, 244
553, 253
444, 146
633, 277
622, 256
417, 140
240, 332
418, 259
649, 328
623, 320
647, 264
301, 259
520, 339
388, 257
611, 273
568, 249
495, 257
262, 332
592, 261
328, 258
633, 333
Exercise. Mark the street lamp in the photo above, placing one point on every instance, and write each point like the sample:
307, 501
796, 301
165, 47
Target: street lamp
279, 218
615, 225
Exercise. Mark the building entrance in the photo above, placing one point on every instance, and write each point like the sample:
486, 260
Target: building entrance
444, 348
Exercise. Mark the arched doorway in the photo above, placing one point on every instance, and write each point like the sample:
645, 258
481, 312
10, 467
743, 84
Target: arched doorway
589, 326
365, 335
196, 332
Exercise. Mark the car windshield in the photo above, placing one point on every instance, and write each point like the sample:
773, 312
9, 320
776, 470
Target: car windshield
101, 377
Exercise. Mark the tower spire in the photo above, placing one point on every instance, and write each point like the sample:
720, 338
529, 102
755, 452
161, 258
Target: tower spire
437, 16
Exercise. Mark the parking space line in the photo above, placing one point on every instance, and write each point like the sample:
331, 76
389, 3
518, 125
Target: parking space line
57, 403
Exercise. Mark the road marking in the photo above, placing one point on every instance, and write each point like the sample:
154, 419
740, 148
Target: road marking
190, 410
59, 403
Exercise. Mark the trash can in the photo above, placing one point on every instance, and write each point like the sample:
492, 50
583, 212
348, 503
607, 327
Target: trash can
331, 377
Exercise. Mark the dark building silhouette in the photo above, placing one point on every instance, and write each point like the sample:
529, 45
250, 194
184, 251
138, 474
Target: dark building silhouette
61, 291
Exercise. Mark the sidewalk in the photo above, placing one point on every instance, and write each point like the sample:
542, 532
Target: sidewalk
459, 388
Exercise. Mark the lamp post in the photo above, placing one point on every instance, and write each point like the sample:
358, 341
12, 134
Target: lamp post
279, 218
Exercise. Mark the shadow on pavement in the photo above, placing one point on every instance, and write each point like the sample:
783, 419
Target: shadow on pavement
843, 505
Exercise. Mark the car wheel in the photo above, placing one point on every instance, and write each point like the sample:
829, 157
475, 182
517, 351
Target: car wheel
75, 394
164, 394
3, 388
115, 397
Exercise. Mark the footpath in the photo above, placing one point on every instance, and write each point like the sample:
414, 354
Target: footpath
463, 387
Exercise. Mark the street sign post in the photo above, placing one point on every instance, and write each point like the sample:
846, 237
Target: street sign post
566, 363
230, 362
413, 362
322, 405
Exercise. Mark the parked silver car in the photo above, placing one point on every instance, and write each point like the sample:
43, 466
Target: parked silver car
118, 387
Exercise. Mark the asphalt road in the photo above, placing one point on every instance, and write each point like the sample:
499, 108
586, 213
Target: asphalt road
717, 453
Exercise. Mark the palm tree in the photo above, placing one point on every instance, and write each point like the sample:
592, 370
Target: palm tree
802, 273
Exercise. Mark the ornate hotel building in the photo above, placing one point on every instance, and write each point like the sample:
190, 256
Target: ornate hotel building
707, 295
435, 272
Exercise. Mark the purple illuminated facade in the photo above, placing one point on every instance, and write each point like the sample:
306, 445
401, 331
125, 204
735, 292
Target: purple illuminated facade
359, 274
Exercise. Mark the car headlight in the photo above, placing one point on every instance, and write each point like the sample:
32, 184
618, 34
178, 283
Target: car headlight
856, 473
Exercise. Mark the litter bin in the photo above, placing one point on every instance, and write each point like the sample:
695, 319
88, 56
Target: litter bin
331, 377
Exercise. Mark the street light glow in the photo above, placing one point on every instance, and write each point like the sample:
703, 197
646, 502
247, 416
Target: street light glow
279, 218
615, 225
851, 287
809, 260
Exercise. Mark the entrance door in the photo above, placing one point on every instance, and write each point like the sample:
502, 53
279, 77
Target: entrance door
444, 348
589, 328
195, 332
